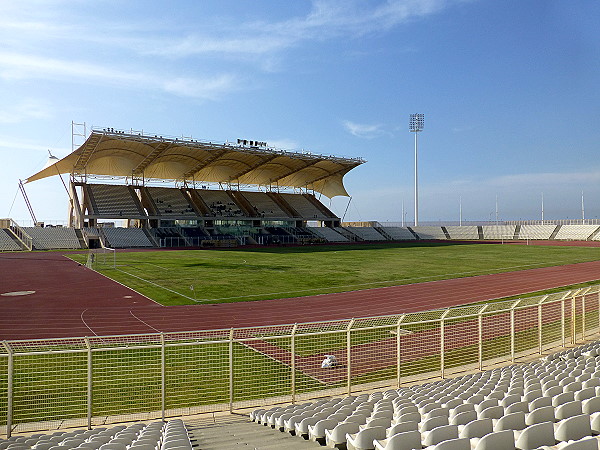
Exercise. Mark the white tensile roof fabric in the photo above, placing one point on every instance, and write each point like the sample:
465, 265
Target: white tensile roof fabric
120, 154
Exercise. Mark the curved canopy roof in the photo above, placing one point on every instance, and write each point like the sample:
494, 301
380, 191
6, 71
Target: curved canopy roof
114, 153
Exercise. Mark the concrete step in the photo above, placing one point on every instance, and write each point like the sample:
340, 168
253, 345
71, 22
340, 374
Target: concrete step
241, 432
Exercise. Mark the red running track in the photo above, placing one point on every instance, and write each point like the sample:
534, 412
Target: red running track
71, 300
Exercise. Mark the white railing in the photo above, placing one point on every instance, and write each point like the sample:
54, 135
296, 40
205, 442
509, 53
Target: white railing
89, 381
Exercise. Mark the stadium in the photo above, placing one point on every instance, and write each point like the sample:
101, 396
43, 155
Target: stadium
198, 286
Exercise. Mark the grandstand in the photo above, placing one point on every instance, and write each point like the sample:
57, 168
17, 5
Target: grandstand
576, 232
167, 198
539, 232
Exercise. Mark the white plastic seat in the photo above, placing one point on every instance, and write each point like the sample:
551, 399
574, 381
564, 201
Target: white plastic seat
463, 418
585, 393
337, 435
512, 421
536, 436
380, 422
476, 428
461, 408
408, 440
486, 404
432, 423
450, 404
539, 402
509, 400
553, 391
401, 428
560, 399
408, 417
493, 412
517, 407
454, 444
439, 434
567, 410
589, 443
363, 440
540, 415
498, 440
573, 386
573, 428
316, 432
590, 405
301, 428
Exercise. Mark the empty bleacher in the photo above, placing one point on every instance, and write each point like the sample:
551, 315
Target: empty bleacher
540, 232
467, 232
220, 203
155, 435
126, 237
399, 233
304, 207
498, 232
429, 232
264, 206
329, 234
53, 238
113, 201
552, 403
171, 202
575, 232
7, 243
367, 233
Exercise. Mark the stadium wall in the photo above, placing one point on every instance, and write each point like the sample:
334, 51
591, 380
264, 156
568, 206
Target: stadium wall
92, 381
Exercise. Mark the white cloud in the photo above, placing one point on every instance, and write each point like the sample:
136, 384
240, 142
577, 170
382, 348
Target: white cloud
22, 66
327, 19
25, 109
367, 131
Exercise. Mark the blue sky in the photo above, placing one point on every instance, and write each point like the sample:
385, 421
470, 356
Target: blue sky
510, 91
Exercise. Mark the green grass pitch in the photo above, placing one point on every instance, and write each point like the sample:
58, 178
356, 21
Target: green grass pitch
184, 277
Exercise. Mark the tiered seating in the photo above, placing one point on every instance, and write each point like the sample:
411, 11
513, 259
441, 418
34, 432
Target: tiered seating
114, 201
498, 232
575, 232
220, 203
171, 202
7, 243
367, 233
428, 232
400, 233
541, 232
329, 234
468, 232
263, 205
126, 237
50, 238
542, 404
304, 207
139, 436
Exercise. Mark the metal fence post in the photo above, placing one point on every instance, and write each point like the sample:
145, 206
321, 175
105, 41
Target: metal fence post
573, 318
583, 317
562, 321
90, 392
293, 362
9, 389
163, 377
480, 336
512, 330
231, 370
540, 324
442, 344
398, 351
348, 356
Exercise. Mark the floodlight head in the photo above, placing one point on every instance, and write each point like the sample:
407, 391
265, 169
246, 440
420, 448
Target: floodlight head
417, 122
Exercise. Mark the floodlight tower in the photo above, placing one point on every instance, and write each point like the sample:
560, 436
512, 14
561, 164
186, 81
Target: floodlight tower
416, 124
